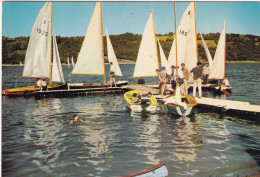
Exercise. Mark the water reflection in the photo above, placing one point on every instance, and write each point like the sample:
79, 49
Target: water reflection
186, 145
43, 130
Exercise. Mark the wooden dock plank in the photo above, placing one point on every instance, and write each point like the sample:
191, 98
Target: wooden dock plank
142, 88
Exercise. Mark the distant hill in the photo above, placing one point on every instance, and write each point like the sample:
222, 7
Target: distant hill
238, 47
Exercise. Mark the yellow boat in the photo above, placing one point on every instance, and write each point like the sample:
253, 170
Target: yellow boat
147, 101
30, 90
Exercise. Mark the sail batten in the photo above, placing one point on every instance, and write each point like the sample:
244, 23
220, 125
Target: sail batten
147, 59
90, 59
112, 56
38, 54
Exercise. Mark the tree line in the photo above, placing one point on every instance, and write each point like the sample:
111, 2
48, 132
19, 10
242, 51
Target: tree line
238, 47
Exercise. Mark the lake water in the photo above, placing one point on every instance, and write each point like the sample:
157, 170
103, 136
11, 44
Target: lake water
38, 139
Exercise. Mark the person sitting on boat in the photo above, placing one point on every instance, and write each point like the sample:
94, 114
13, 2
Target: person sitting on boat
205, 73
186, 75
44, 85
226, 82
173, 83
112, 74
136, 98
38, 83
197, 74
141, 80
163, 79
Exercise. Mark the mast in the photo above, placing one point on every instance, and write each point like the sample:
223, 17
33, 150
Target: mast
155, 42
51, 44
177, 79
196, 31
225, 49
103, 44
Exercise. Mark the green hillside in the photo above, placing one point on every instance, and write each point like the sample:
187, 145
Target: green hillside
126, 46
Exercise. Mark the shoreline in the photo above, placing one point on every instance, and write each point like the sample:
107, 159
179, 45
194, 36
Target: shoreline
123, 61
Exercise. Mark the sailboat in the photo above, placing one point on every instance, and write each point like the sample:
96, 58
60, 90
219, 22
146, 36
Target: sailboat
91, 56
217, 66
147, 60
38, 55
21, 63
181, 105
68, 61
187, 51
72, 62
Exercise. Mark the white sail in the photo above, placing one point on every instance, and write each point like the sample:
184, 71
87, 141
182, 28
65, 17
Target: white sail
178, 95
38, 54
72, 61
90, 59
57, 73
21, 64
187, 40
147, 59
68, 61
218, 68
207, 52
112, 56
164, 61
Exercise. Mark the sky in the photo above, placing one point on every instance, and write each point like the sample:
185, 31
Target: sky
72, 18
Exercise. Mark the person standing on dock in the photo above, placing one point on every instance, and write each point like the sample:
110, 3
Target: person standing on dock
163, 79
158, 73
173, 83
112, 74
186, 75
197, 74
206, 72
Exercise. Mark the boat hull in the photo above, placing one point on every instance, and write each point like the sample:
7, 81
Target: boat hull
30, 90
159, 170
179, 110
151, 106
95, 85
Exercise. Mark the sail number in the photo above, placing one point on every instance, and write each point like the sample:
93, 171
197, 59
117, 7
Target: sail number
42, 32
183, 33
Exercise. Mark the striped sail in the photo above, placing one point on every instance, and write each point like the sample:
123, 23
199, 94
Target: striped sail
90, 59
112, 56
187, 40
38, 54
218, 66
57, 73
147, 59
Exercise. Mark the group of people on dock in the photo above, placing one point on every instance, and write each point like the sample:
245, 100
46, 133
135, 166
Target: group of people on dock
184, 75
